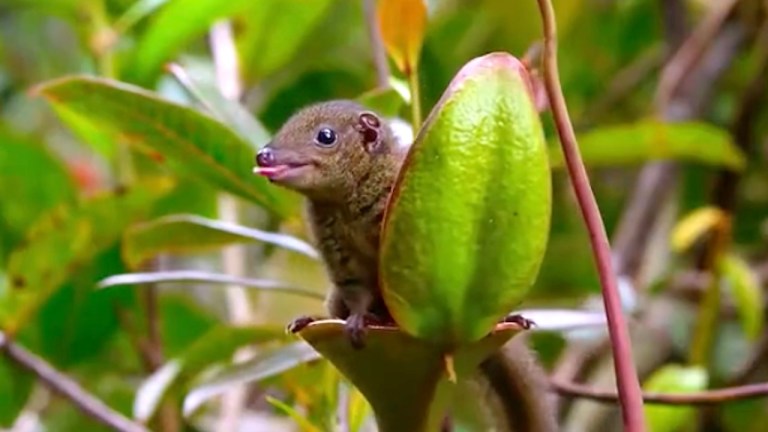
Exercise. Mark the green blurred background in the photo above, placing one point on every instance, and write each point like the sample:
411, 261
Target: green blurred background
64, 226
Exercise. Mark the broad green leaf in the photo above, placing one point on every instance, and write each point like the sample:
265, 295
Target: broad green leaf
226, 111
190, 140
33, 177
405, 380
88, 131
15, 386
673, 379
274, 31
473, 201
65, 239
301, 420
646, 140
76, 322
183, 233
201, 276
694, 225
216, 346
746, 292
178, 22
402, 24
261, 367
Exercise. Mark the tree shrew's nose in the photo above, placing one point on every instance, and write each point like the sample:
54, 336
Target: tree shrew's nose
265, 157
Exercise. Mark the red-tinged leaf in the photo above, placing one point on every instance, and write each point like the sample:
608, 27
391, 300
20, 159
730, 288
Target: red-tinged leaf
402, 24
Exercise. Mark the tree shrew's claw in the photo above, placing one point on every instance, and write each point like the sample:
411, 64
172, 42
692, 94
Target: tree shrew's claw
520, 320
299, 323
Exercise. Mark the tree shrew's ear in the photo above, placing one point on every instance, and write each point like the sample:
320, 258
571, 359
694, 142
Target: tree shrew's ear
369, 126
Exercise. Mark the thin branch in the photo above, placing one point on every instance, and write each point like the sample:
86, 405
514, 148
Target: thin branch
68, 388
377, 44
709, 397
691, 51
626, 377
229, 82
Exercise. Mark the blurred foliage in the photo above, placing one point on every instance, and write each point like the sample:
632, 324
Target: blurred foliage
118, 141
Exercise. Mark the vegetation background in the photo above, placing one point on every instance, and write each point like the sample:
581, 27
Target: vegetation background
98, 180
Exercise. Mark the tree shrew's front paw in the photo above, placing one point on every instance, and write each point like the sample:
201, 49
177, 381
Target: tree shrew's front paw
357, 326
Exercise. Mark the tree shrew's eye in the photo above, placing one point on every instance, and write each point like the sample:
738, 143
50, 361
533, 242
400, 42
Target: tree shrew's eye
326, 137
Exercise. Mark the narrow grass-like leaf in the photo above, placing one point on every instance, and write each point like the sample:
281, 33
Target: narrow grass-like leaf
214, 347
191, 141
261, 367
194, 276
301, 420
184, 233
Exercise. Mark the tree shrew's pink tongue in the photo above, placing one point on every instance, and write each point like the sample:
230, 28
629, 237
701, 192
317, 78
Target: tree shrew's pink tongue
270, 171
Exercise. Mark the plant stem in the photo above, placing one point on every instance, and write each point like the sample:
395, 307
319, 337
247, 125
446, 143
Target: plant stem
65, 386
626, 377
377, 44
708, 397
413, 82
230, 85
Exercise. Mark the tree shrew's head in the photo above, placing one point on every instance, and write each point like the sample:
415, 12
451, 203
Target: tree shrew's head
323, 149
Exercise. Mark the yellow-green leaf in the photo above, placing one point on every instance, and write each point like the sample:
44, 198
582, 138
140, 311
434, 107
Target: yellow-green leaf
65, 239
746, 292
673, 379
694, 225
646, 140
186, 139
186, 233
301, 420
402, 24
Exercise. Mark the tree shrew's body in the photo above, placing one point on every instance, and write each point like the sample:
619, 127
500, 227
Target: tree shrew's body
345, 159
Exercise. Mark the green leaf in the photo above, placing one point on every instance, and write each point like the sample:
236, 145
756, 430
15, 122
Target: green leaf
673, 379
259, 368
217, 345
647, 140
476, 237
201, 276
172, 28
37, 179
302, 421
275, 30
193, 141
15, 386
228, 112
746, 292
138, 10
181, 233
65, 239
